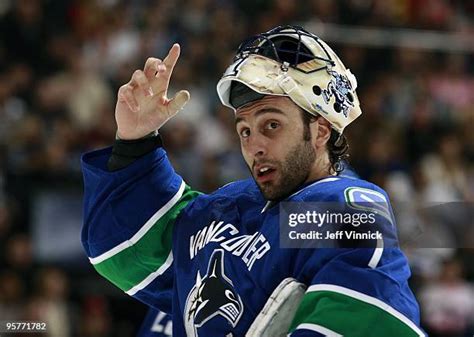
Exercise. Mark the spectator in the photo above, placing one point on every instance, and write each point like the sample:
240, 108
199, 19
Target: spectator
447, 305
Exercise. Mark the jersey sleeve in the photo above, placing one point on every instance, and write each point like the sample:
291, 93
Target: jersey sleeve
356, 291
129, 215
156, 324
347, 297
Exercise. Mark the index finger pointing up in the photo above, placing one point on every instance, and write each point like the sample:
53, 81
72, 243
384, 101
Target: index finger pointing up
172, 57
160, 85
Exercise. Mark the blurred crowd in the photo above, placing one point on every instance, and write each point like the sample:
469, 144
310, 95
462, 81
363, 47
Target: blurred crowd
62, 62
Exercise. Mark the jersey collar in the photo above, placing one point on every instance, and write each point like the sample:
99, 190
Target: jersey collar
271, 203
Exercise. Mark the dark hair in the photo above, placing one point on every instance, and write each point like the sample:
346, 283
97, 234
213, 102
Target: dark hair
337, 144
338, 149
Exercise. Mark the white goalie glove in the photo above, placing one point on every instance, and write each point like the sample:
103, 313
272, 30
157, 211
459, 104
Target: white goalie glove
276, 316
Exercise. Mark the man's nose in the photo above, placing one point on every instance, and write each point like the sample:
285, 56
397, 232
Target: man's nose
258, 145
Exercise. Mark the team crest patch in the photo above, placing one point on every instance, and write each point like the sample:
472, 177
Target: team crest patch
212, 295
340, 87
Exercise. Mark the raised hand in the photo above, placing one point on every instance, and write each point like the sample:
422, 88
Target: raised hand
142, 104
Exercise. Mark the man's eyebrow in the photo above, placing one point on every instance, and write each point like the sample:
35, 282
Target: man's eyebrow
261, 112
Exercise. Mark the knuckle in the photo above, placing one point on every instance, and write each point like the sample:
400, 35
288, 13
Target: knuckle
123, 89
136, 73
125, 93
141, 79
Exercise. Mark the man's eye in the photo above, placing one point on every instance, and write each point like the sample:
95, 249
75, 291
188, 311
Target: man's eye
244, 133
273, 125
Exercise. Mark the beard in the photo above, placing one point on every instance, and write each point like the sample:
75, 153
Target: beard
293, 171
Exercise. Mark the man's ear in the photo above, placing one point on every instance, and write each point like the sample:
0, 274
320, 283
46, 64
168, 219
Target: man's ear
323, 132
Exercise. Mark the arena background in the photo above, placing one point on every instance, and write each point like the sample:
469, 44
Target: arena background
61, 63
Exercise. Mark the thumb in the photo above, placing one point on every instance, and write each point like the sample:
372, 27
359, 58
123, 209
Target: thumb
178, 102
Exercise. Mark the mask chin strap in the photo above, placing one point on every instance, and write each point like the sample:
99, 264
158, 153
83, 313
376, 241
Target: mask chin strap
290, 88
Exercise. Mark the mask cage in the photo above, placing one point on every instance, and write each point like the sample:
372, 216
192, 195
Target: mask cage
278, 45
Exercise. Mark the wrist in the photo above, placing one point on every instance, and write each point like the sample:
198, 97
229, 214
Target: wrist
150, 135
127, 151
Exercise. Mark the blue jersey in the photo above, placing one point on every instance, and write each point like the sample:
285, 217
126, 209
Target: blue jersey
212, 260
156, 324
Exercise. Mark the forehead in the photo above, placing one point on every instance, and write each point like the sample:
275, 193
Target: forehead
278, 104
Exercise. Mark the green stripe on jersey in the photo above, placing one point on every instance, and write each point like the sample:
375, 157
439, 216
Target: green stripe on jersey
349, 316
133, 264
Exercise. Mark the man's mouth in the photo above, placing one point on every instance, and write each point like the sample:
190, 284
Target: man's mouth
264, 173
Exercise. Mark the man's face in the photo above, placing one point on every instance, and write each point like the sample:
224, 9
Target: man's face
275, 144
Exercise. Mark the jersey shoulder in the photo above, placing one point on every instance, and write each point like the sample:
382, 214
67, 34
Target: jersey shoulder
339, 189
243, 193
237, 188
353, 194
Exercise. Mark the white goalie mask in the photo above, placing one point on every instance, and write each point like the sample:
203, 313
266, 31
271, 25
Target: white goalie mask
289, 61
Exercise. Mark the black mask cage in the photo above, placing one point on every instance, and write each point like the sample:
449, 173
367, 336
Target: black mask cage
277, 45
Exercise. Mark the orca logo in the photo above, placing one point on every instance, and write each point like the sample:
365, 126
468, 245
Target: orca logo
340, 87
212, 295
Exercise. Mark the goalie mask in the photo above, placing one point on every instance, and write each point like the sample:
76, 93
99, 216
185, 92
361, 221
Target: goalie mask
289, 61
